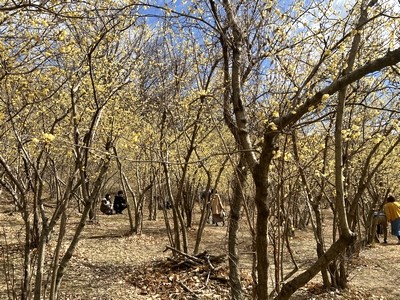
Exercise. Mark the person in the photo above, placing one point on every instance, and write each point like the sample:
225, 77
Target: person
392, 212
205, 196
105, 206
217, 209
379, 226
119, 202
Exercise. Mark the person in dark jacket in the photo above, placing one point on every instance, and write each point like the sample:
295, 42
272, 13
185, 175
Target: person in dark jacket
120, 202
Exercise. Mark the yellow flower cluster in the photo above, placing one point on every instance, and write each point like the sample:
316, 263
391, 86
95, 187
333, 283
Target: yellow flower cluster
48, 137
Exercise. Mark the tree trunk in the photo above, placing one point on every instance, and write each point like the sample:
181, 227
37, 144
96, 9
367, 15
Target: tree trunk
234, 217
92, 211
320, 242
333, 252
26, 281
71, 249
132, 224
41, 253
78, 231
126, 185
315, 205
177, 239
260, 178
204, 214
61, 235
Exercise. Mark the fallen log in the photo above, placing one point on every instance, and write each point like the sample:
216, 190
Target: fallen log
190, 257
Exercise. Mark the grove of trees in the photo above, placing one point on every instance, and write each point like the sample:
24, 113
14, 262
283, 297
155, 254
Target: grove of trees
284, 107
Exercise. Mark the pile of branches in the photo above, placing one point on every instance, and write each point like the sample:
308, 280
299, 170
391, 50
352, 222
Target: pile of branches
183, 276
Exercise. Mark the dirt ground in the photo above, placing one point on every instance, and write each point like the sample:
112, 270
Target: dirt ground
110, 265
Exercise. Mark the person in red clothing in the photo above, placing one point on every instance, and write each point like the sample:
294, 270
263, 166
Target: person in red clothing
392, 212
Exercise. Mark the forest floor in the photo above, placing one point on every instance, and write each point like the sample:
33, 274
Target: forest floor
108, 264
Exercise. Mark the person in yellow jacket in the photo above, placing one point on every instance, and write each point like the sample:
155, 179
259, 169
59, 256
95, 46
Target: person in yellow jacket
392, 212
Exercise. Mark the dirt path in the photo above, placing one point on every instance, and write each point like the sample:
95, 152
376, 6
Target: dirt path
378, 271
373, 275
108, 265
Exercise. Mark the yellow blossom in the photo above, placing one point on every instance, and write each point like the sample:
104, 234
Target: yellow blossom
272, 126
325, 98
277, 153
48, 137
287, 157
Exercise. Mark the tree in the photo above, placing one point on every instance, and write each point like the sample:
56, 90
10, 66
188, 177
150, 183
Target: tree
247, 46
55, 96
79, 79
